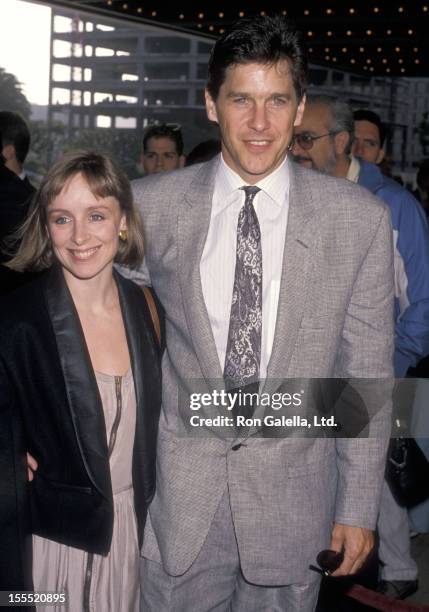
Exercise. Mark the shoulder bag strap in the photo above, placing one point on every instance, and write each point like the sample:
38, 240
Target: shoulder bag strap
153, 313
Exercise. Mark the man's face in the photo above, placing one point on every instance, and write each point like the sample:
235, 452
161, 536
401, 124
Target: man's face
161, 155
321, 155
366, 143
256, 110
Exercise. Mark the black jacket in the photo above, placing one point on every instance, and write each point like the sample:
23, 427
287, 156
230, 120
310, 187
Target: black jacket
46, 376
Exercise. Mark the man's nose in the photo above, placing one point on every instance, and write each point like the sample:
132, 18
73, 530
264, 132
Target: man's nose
259, 119
296, 148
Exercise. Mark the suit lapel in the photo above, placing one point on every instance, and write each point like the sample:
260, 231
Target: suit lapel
81, 387
193, 225
297, 257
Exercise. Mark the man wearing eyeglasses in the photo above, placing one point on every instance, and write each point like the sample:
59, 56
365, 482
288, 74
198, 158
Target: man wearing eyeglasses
323, 142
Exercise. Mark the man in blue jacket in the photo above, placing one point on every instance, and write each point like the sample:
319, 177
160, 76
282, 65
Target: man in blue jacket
323, 142
369, 136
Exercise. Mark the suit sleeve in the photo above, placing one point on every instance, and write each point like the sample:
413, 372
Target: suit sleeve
411, 242
366, 358
140, 275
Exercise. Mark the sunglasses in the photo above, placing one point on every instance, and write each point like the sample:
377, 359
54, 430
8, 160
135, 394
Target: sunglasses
306, 140
328, 561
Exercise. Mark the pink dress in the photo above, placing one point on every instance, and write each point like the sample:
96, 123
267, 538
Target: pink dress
109, 583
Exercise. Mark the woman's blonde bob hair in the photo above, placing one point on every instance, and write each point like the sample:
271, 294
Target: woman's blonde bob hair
104, 179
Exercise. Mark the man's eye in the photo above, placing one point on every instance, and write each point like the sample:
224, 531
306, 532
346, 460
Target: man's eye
279, 101
241, 100
169, 155
149, 155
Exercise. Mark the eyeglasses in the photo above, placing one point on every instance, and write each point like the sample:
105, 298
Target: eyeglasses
306, 140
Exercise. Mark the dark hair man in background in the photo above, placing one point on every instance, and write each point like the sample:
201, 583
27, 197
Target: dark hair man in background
369, 136
235, 523
15, 192
16, 144
323, 142
162, 149
15, 569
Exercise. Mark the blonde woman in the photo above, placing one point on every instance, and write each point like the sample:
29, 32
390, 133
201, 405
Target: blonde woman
79, 361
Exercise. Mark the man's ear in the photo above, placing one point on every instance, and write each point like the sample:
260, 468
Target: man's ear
9, 152
341, 141
210, 107
182, 161
300, 111
381, 155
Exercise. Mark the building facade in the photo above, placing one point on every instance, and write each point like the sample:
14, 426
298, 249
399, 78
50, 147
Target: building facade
112, 74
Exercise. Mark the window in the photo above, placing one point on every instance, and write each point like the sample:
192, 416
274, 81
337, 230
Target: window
167, 44
201, 71
178, 71
204, 47
318, 76
166, 97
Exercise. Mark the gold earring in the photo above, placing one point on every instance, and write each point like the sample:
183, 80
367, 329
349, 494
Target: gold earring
123, 235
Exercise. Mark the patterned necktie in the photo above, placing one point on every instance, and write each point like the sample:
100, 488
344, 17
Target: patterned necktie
243, 349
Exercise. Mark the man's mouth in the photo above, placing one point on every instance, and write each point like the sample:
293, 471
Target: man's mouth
257, 146
259, 143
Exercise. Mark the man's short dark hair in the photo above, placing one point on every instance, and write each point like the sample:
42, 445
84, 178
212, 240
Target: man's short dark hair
15, 132
204, 151
371, 117
262, 40
164, 131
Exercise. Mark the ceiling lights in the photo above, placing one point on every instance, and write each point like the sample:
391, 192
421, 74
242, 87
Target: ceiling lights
375, 31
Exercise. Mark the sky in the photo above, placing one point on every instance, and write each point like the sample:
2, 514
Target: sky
24, 46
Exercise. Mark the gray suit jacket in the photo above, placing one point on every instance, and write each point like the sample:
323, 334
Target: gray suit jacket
335, 318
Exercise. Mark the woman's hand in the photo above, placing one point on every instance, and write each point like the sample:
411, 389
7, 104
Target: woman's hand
32, 466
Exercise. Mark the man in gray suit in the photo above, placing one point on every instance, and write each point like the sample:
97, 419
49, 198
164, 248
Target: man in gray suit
266, 271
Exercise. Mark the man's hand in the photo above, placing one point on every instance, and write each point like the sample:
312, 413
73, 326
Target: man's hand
356, 542
32, 466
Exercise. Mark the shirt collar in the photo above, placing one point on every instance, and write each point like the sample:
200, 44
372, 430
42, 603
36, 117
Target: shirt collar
275, 185
354, 170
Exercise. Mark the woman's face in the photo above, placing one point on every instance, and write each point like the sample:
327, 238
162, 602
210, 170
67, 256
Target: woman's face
84, 229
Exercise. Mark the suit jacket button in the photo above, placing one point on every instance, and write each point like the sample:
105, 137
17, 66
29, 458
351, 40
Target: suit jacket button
235, 447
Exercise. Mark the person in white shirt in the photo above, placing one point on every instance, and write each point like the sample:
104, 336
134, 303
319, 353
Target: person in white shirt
262, 281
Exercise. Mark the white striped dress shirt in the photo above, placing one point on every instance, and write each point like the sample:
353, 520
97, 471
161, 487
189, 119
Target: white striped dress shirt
217, 266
